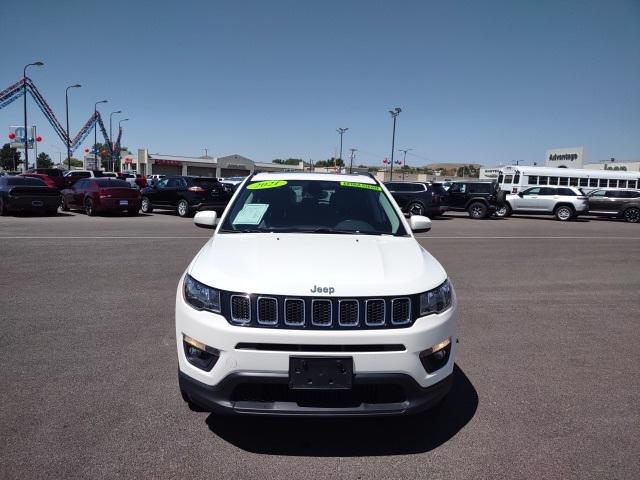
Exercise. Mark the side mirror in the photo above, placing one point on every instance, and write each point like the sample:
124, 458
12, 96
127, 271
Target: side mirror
206, 219
520, 194
418, 223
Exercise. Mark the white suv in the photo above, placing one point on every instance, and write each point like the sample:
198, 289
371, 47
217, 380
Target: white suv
565, 203
314, 298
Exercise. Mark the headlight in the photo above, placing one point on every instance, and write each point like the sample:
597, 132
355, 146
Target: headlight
436, 300
199, 296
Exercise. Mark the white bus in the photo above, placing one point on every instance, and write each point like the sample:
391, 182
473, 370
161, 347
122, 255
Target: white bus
514, 179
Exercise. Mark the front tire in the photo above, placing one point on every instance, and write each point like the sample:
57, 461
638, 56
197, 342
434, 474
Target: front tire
477, 210
632, 215
63, 205
415, 208
146, 206
89, 207
183, 208
504, 211
564, 213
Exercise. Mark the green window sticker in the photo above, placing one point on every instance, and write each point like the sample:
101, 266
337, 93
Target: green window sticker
266, 184
366, 186
251, 214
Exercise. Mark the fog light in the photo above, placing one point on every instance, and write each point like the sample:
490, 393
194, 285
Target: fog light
436, 357
198, 354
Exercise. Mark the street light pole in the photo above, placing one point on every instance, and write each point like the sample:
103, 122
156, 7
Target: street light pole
120, 128
66, 102
95, 133
352, 156
26, 135
341, 132
404, 160
111, 139
394, 113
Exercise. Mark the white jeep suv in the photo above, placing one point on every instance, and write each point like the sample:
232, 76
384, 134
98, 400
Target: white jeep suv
565, 203
314, 298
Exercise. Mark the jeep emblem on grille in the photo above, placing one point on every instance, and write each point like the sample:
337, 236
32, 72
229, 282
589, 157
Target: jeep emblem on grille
317, 289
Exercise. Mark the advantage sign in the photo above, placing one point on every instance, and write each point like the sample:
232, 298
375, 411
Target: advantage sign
18, 136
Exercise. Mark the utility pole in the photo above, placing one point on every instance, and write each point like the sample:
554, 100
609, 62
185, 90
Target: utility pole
394, 114
111, 166
95, 134
341, 132
352, 156
404, 160
66, 103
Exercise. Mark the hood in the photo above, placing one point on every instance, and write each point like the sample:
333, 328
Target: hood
296, 264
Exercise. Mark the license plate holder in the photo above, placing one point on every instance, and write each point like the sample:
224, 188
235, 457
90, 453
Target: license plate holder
124, 202
320, 373
37, 203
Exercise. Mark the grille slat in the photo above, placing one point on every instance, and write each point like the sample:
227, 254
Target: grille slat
267, 311
294, 312
400, 311
240, 309
375, 312
321, 313
348, 313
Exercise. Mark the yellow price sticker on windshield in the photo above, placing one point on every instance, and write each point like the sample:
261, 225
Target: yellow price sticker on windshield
266, 184
366, 186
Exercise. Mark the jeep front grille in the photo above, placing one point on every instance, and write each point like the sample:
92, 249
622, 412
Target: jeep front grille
277, 311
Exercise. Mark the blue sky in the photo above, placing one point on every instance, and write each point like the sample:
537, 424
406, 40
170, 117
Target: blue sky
486, 82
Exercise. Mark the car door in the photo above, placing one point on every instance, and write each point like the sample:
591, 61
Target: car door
175, 187
598, 201
77, 193
158, 193
457, 193
529, 200
549, 198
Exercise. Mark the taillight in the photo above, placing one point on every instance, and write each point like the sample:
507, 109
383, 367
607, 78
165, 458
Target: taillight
104, 193
196, 189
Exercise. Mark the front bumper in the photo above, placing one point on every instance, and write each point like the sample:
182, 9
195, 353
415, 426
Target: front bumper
223, 399
237, 365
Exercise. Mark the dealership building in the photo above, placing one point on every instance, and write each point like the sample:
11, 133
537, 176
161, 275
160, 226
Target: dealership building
228, 166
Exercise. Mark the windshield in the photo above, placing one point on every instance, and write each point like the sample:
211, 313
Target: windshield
313, 206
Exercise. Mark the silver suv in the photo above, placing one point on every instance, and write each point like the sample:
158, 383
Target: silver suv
563, 202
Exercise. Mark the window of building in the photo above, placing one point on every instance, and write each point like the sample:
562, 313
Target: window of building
533, 179
631, 184
584, 182
593, 182
543, 180
573, 182
508, 178
564, 181
553, 180
622, 184
602, 182
613, 183
516, 178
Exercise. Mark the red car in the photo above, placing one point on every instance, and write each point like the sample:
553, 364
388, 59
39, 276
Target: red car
52, 177
95, 195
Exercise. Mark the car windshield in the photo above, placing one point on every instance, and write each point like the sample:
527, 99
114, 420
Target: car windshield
313, 206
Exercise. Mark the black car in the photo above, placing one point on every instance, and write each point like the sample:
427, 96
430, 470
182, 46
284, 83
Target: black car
186, 195
479, 199
18, 194
420, 198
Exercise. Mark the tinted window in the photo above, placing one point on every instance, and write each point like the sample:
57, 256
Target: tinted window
162, 183
564, 181
584, 182
508, 178
403, 187
548, 191
80, 174
593, 182
113, 183
458, 188
613, 183
175, 183
566, 191
573, 182
622, 184
553, 180
479, 187
25, 181
438, 188
631, 184
598, 193
500, 178
533, 179
206, 182
543, 180
516, 178
532, 191
392, 186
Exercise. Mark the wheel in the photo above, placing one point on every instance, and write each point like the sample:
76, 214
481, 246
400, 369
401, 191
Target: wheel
504, 211
477, 210
632, 215
146, 206
415, 208
89, 208
63, 205
132, 212
183, 208
3, 208
564, 213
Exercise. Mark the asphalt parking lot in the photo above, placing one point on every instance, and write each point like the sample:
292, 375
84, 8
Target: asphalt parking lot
547, 379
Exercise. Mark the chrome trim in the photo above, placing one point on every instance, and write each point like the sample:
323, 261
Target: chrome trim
238, 320
313, 322
304, 312
258, 310
366, 312
357, 313
408, 319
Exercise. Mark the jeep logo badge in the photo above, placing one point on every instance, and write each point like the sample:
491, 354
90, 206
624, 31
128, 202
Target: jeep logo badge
317, 289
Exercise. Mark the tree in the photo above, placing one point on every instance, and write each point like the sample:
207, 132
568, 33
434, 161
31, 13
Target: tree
9, 158
43, 161
338, 162
103, 152
288, 161
75, 162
